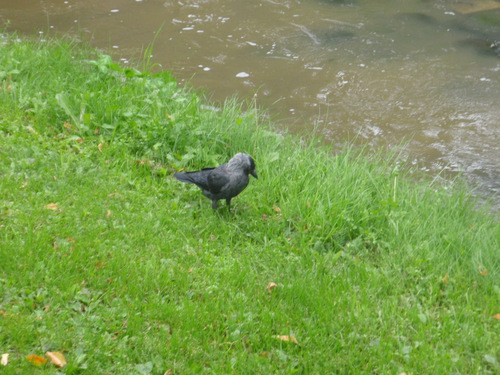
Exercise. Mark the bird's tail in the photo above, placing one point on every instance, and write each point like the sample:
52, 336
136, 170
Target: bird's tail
199, 178
185, 177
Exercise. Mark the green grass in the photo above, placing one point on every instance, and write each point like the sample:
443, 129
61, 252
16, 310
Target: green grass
130, 271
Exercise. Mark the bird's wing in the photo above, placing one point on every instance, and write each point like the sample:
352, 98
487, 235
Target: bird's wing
217, 179
199, 178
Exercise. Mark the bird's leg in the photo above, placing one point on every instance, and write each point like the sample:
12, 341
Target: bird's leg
214, 204
228, 201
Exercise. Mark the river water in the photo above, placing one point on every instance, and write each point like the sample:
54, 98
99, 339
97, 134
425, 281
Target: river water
384, 72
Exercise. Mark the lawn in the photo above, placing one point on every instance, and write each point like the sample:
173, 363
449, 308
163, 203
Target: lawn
332, 262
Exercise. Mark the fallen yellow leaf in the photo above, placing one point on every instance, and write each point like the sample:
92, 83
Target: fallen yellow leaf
483, 271
496, 316
445, 278
276, 209
5, 359
36, 359
287, 338
271, 286
51, 206
57, 358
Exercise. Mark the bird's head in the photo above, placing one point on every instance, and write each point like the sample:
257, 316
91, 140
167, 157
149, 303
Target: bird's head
245, 162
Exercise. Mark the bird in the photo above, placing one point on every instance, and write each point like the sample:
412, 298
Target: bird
223, 182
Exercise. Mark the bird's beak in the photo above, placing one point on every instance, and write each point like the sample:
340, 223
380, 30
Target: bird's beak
253, 173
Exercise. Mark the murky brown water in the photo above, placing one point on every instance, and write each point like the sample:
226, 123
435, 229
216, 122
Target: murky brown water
384, 70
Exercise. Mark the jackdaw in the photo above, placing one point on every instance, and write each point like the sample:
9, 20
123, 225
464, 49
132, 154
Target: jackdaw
223, 182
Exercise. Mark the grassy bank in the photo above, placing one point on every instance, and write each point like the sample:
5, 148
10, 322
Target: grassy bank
109, 260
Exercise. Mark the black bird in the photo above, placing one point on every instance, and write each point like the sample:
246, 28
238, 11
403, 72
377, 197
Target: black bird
223, 182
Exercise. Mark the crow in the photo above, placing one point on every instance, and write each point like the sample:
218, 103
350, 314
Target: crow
223, 182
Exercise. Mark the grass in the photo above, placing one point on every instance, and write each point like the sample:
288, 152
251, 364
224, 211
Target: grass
109, 260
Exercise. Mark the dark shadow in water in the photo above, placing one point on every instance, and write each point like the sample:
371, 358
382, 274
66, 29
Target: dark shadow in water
483, 47
334, 36
483, 40
419, 18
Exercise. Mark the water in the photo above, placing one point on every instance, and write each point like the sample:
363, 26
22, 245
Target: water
385, 72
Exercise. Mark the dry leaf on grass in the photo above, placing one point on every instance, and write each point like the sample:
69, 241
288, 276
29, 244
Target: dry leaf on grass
483, 271
51, 206
36, 359
496, 316
287, 338
445, 278
57, 358
271, 286
276, 209
5, 359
